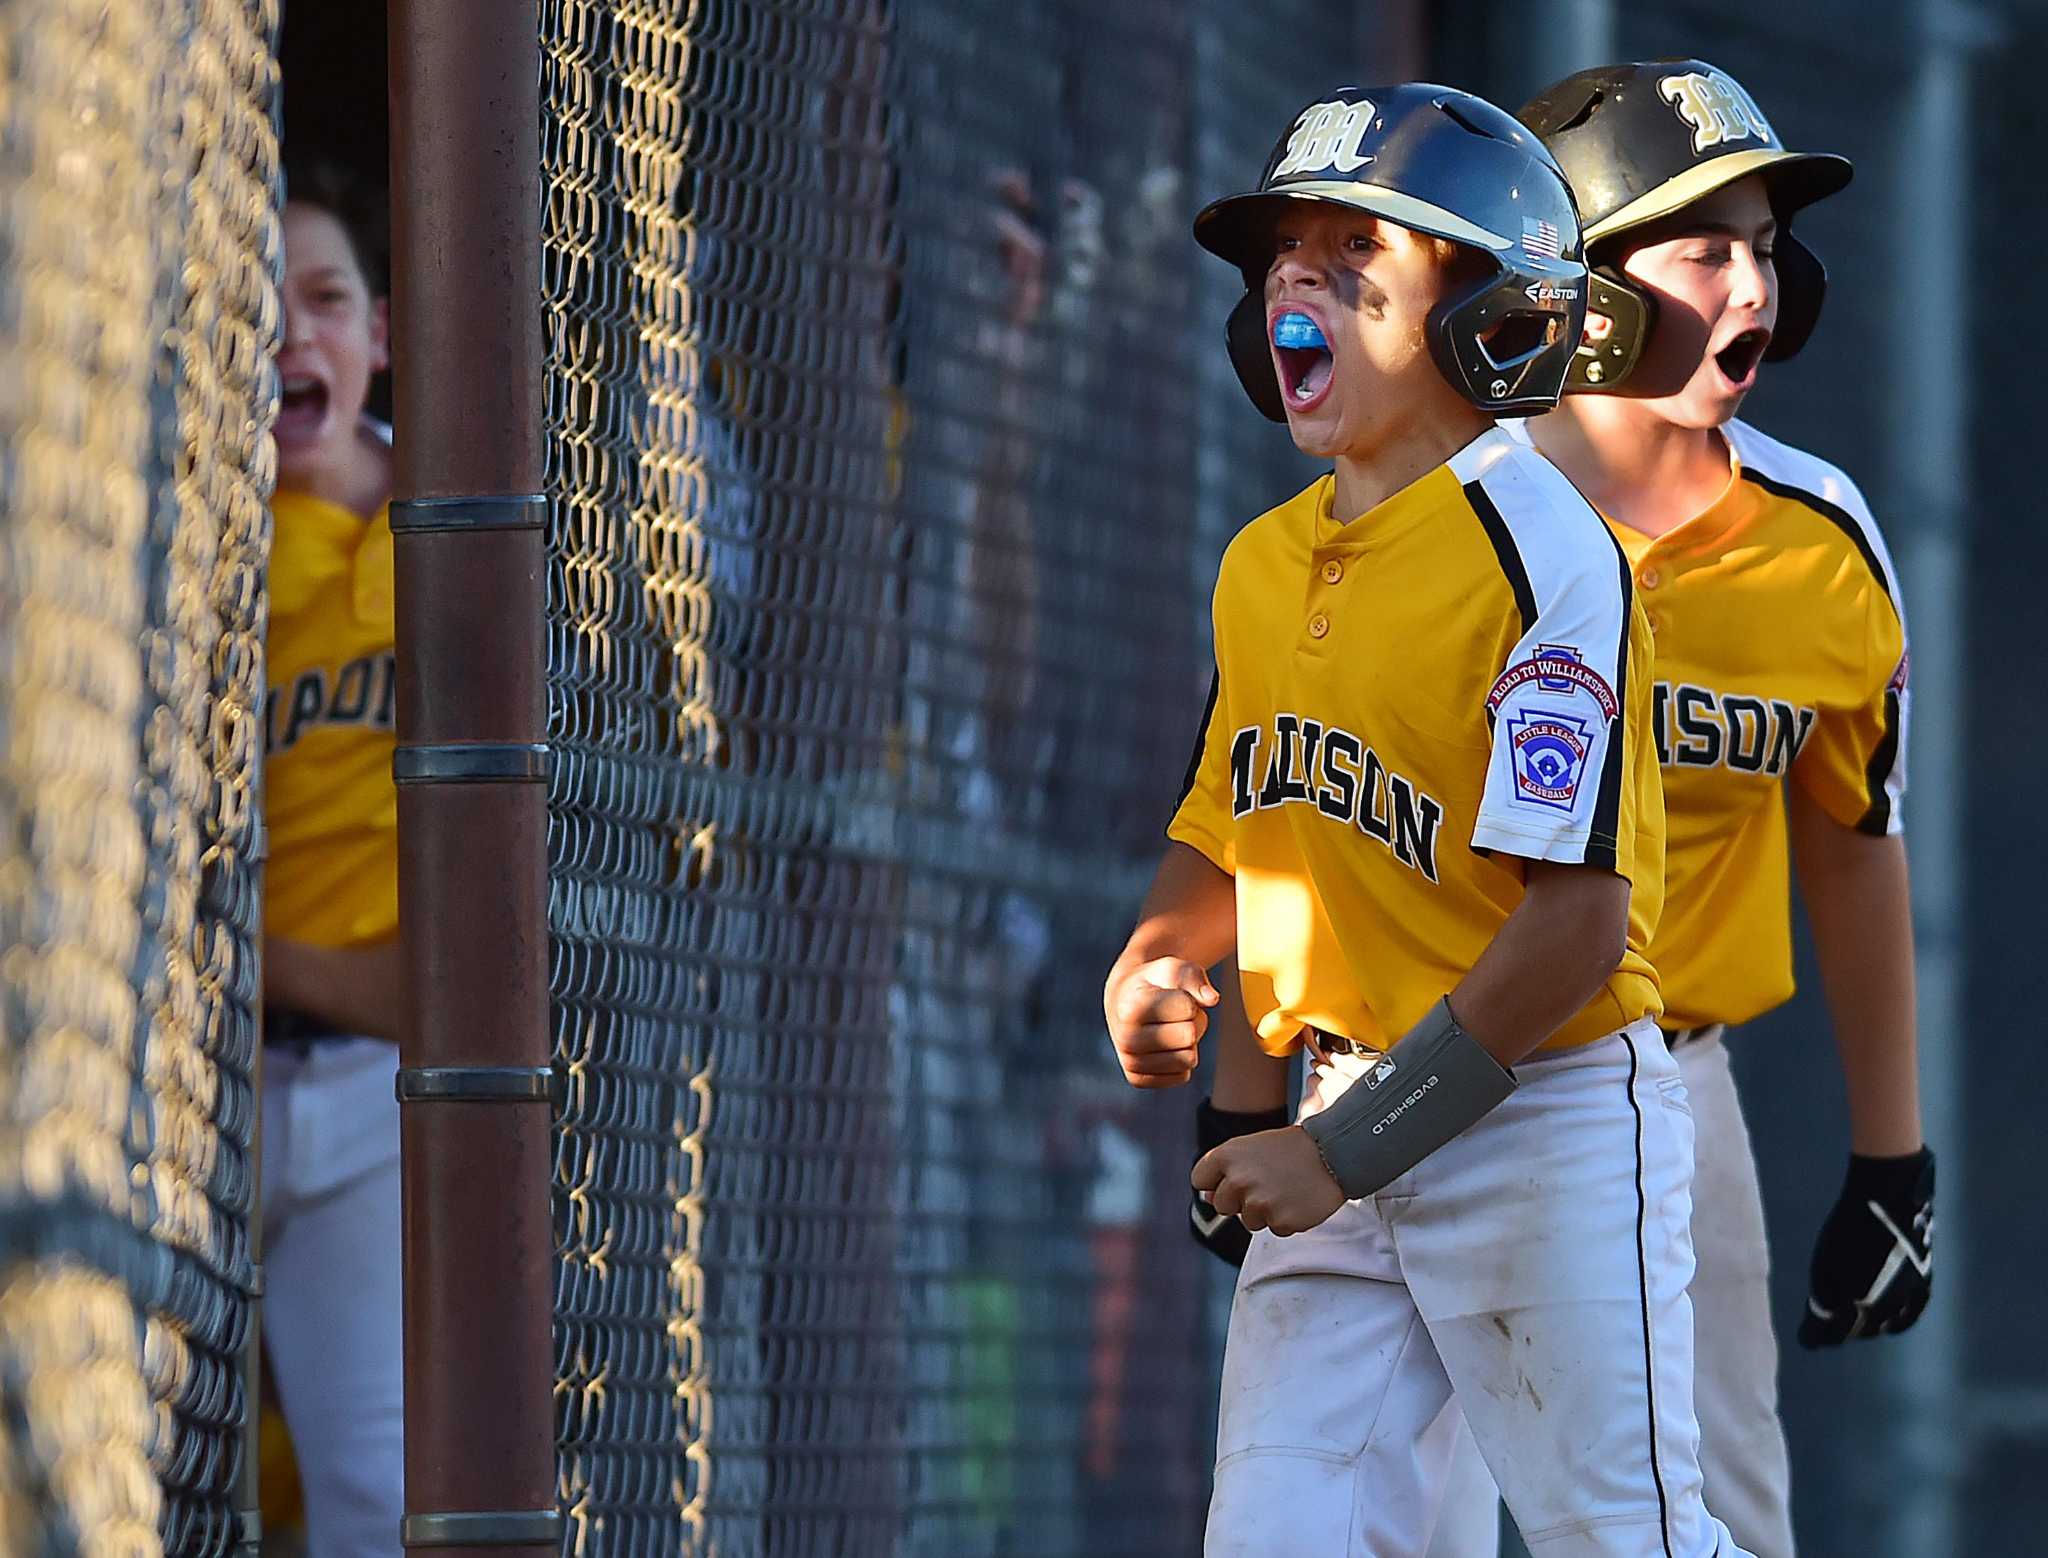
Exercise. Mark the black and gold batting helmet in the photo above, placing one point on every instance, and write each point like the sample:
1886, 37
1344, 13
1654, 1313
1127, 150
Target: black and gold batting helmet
1640, 143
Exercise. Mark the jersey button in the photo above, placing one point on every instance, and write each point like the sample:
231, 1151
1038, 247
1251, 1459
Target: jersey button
1650, 578
1332, 571
1318, 626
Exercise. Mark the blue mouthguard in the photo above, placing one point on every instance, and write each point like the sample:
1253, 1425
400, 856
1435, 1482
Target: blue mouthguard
1299, 332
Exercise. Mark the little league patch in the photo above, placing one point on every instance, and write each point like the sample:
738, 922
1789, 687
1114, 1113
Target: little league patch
1549, 751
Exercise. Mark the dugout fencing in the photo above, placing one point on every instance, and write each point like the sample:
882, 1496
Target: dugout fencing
888, 452
891, 450
138, 311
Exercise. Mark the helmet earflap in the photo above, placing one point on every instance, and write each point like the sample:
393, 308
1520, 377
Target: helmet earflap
1619, 318
1245, 335
1501, 352
1802, 288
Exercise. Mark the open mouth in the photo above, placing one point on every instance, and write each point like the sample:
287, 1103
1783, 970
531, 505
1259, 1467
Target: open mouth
1305, 361
1739, 358
302, 411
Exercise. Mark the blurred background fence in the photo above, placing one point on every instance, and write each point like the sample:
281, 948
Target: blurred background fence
894, 466
138, 310
877, 404
891, 456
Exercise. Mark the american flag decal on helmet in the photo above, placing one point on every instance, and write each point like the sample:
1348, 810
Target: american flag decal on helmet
1540, 239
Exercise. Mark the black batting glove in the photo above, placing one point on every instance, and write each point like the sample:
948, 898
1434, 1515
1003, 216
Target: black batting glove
1873, 1265
1220, 1233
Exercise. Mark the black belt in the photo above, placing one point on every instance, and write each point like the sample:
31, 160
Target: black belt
289, 1027
1336, 1044
1327, 1043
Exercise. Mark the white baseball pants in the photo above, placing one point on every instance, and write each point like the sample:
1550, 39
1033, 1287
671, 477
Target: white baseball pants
1536, 1266
1743, 1457
332, 1304
1735, 1383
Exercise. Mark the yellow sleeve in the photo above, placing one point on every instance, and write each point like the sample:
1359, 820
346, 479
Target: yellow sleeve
1854, 761
1203, 820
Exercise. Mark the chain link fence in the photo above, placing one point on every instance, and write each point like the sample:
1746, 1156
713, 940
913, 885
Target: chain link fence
892, 451
138, 304
892, 454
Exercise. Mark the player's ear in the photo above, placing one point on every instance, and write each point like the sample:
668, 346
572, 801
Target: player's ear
380, 334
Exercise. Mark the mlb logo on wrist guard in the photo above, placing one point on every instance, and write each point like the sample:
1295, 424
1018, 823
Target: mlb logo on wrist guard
1549, 752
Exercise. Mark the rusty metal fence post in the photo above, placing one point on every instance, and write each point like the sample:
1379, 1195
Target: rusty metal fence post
471, 765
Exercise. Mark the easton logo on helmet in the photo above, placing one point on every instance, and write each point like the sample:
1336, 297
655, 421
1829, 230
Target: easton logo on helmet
1717, 110
1327, 136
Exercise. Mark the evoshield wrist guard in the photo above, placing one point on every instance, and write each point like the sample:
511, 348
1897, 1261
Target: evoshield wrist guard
1435, 1082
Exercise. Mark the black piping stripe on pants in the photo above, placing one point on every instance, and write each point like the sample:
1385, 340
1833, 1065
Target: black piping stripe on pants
1643, 1297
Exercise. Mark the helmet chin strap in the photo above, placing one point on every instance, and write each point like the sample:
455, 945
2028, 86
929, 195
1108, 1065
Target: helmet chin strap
1802, 288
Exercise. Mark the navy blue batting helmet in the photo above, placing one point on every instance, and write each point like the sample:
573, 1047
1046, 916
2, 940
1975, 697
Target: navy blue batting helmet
1444, 163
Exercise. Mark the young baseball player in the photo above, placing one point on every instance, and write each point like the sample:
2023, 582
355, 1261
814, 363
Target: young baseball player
1780, 656
331, 1311
1424, 813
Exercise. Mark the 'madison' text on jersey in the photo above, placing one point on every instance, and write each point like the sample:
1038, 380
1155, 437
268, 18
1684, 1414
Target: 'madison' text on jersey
1342, 777
330, 806
1697, 727
1407, 707
362, 692
1780, 655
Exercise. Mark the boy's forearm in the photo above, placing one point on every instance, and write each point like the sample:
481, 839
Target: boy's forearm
1858, 900
1548, 960
1190, 912
1247, 1079
355, 989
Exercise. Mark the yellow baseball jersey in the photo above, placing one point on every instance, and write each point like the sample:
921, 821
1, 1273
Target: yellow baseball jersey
1780, 653
329, 727
1407, 706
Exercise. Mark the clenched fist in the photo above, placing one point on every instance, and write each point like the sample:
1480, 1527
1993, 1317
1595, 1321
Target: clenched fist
1157, 1013
1270, 1179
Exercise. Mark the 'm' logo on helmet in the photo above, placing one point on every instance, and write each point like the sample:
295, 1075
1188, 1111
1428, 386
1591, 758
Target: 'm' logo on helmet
1716, 108
1327, 136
